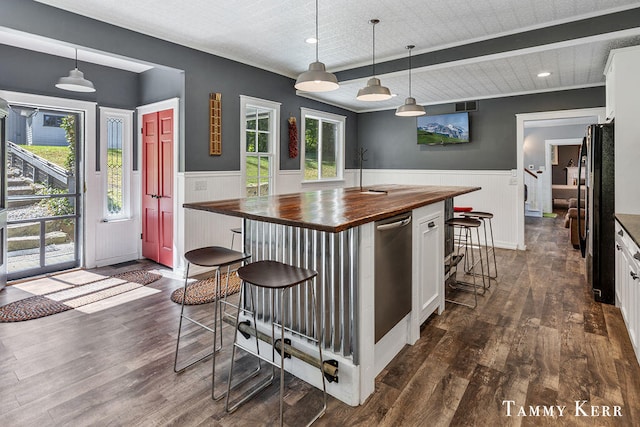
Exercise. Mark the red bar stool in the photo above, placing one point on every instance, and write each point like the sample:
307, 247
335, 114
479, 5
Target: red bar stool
486, 217
465, 227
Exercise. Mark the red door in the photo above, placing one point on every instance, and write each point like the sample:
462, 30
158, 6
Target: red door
157, 187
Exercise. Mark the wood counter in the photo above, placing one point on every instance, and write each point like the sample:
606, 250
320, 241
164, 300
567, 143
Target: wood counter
333, 233
333, 210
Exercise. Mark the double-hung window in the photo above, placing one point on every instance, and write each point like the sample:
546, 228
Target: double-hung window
323, 145
259, 144
116, 134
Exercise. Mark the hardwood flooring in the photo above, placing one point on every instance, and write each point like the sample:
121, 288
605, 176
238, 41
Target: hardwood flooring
536, 338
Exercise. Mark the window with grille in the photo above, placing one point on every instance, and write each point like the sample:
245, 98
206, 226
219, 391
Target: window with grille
259, 145
116, 137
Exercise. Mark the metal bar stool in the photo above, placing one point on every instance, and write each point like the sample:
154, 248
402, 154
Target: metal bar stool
215, 257
234, 232
275, 276
465, 225
486, 217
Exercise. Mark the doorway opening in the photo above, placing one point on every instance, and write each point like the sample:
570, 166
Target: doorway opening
531, 158
43, 198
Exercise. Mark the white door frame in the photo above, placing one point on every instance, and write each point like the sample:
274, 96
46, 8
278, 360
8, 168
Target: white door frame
87, 166
545, 115
178, 194
547, 176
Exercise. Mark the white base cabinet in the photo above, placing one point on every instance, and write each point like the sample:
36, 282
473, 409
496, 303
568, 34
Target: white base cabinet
428, 244
628, 284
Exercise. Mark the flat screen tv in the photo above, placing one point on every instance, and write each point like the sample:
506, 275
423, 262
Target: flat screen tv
443, 129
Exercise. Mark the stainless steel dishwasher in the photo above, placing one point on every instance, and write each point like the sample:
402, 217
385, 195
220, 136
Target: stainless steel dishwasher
392, 272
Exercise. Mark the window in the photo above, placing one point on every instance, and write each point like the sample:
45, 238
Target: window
323, 148
51, 120
260, 136
115, 142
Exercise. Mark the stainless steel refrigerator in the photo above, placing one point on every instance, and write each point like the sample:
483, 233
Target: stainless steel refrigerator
4, 112
597, 240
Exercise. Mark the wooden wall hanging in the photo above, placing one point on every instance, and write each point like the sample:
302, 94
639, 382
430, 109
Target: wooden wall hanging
215, 124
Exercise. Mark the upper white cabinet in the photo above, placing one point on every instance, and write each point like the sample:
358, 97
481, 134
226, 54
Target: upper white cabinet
623, 91
610, 89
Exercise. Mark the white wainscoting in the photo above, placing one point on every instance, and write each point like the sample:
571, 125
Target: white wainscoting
201, 228
498, 194
111, 246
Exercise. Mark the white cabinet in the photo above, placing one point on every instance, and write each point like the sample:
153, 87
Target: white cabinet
610, 91
428, 263
628, 285
623, 86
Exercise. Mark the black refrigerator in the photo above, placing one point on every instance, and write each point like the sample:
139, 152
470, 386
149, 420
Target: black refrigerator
597, 239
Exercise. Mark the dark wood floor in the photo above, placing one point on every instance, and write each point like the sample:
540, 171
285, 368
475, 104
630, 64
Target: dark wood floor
536, 338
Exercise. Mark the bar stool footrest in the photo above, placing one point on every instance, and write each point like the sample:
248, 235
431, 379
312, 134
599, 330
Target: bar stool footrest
287, 341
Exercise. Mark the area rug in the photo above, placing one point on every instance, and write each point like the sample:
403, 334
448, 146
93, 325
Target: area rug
204, 291
549, 215
83, 290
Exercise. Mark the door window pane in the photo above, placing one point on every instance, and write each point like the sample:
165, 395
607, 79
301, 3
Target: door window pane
115, 182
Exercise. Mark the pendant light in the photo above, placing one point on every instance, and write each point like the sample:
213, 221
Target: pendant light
374, 91
316, 78
410, 108
75, 81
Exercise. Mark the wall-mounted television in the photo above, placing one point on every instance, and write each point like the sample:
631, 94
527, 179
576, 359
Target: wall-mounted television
443, 129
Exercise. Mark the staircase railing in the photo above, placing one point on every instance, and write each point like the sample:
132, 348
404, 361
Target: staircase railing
533, 198
35, 167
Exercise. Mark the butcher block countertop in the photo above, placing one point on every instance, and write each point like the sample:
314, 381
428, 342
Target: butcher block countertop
333, 210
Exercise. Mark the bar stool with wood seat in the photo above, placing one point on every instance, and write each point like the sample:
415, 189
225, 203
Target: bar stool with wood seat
213, 257
486, 217
465, 227
275, 276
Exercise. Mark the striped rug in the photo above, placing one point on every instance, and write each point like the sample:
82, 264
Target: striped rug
83, 290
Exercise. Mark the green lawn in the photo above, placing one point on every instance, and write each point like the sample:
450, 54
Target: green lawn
311, 169
430, 138
54, 154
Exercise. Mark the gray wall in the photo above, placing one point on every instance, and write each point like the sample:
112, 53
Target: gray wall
203, 74
33, 72
534, 139
392, 141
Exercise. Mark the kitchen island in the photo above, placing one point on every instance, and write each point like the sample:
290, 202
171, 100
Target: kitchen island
334, 232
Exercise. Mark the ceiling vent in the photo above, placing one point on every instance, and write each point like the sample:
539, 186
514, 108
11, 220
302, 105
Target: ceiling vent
467, 106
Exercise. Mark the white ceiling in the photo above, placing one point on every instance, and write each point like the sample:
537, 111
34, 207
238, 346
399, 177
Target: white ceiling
270, 34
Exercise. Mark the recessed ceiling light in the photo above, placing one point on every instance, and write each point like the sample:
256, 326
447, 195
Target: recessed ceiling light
311, 40
544, 74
